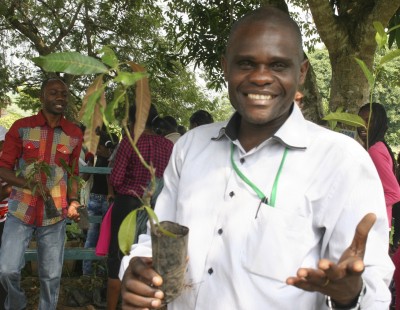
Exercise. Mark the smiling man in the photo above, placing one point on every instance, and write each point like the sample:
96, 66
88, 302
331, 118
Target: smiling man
47, 137
276, 205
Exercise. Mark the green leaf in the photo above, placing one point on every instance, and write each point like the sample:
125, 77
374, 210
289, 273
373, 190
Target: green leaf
143, 101
381, 35
366, 71
109, 57
152, 214
128, 78
394, 28
127, 231
92, 100
119, 95
346, 118
390, 56
153, 217
70, 62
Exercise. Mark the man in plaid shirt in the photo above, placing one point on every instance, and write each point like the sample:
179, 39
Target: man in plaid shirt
50, 138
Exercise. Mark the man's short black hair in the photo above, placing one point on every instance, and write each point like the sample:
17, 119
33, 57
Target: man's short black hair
46, 81
201, 117
171, 122
267, 13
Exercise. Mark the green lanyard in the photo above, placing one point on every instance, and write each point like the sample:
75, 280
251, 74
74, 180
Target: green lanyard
259, 193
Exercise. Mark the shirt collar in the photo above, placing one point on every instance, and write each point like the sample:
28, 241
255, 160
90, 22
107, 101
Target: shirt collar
41, 121
292, 134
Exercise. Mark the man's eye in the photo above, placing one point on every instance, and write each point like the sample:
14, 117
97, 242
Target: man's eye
244, 64
279, 66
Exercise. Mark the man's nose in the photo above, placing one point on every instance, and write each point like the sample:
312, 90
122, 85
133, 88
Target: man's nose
261, 75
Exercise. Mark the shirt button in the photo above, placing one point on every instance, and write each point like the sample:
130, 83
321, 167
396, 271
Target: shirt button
210, 271
231, 194
242, 160
220, 231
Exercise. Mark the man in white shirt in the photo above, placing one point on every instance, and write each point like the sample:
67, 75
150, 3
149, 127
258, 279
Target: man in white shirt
272, 201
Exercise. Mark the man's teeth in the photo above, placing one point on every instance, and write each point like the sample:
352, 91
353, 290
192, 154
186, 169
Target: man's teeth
259, 97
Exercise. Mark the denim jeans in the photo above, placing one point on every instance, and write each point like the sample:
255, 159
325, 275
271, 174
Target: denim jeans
98, 205
50, 246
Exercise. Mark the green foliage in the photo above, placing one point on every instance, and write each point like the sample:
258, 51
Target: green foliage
134, 30
345, 118
394, 34
73, 232
70, 62
72, 178
128, 225
117, 75
321, 65
9, 119
367, 73
4, 83
125, 236
28, 99
33, 171
386, 58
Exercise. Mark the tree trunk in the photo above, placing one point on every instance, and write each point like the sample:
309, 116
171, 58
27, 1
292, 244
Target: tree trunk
349, 86
347, 31
312, 101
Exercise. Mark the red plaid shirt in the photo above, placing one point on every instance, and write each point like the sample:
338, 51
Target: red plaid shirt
32, 138
129, 176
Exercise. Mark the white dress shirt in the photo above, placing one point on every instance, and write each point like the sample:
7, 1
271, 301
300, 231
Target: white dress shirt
239, 261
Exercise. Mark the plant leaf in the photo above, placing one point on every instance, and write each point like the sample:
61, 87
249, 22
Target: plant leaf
366, 71
143, 102
108, 57
90, 113
119, 95
393, 28
152, 214
129, 78
346, 118
127, 231
389, 56
70, 62
380, 36
153, 217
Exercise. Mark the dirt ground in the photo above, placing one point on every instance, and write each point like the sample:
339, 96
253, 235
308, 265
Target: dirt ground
71, 290
76, 291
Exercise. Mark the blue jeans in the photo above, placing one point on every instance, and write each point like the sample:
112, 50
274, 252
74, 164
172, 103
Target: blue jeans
50, 247
98, 205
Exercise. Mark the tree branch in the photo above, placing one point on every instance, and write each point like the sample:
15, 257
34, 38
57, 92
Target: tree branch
30, 31
326, 23
65, 31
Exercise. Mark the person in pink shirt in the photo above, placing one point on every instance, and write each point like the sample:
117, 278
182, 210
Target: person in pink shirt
380, 152
5, 190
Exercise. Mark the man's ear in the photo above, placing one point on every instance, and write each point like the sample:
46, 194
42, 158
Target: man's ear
303, 71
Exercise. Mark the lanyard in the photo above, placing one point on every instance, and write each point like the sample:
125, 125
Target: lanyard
259, 193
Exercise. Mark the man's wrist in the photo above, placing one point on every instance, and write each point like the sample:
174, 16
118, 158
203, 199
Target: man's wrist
70, 200
353, 305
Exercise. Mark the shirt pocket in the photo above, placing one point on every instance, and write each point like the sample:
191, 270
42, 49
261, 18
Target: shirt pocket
277, 243
30, 150
63, 154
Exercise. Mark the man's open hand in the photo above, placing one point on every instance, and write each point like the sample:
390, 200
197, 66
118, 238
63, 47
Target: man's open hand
341, 281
